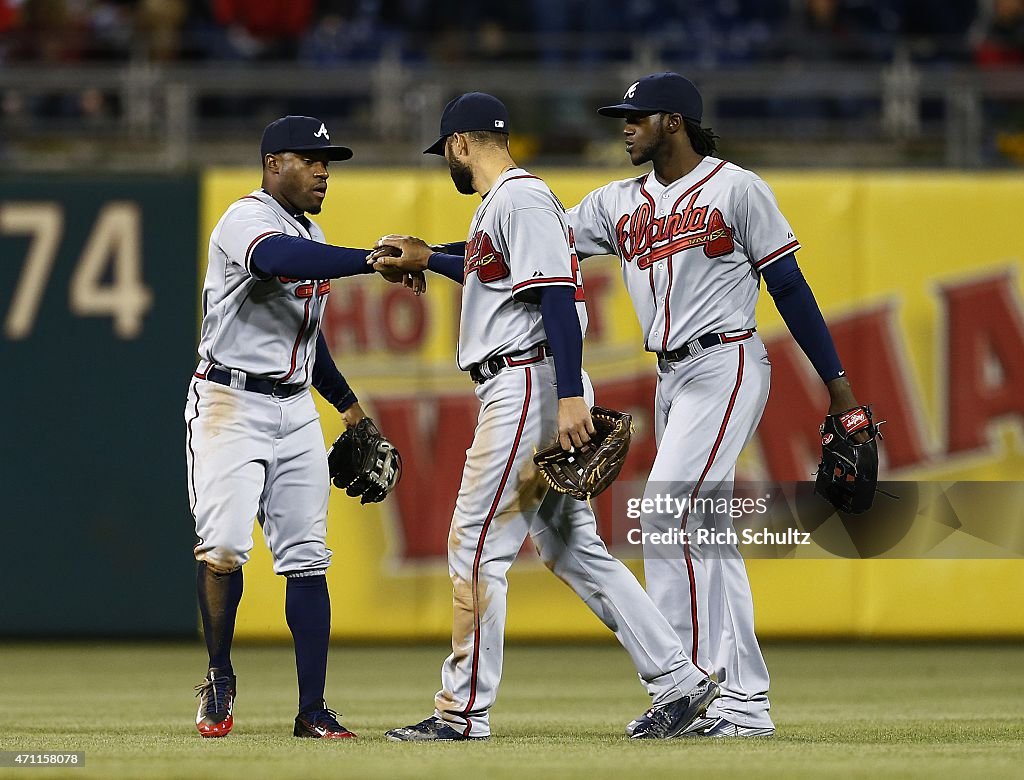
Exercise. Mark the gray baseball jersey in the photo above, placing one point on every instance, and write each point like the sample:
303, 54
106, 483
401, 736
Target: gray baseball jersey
264, 326
691, 252
519, 240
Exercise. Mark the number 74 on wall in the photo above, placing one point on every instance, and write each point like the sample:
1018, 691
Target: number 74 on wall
107, 278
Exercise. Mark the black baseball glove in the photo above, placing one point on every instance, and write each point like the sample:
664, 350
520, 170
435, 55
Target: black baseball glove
364, 463
847, 476
586, 471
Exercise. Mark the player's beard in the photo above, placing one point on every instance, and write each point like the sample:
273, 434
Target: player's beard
645, 153
301, 199
313, 204
462, 176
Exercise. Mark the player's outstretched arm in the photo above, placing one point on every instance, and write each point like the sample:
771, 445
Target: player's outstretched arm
451, 248
300, 258
590, 224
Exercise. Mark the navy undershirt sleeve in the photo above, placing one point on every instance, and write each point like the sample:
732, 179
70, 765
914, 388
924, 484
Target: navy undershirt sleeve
452, 266
452, 248
328, 381
300, 258
562, 325
795, 302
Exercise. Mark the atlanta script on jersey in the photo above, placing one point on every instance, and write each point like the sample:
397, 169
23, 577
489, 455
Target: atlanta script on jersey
691, 252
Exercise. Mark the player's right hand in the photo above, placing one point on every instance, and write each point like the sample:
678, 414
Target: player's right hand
575, 424
407, 253
395, 273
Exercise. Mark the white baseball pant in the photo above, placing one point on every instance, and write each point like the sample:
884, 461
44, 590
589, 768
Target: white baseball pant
502, 499
706, 410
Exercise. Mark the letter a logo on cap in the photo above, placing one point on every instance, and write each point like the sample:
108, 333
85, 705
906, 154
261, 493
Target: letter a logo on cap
631, 91
322, 132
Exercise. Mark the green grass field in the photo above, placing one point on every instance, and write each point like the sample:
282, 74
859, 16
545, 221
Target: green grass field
842, 711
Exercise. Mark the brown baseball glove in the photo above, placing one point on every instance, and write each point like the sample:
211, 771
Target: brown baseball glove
586, 471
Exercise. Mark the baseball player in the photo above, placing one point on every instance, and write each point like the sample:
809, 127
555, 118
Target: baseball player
521, 341
254, 446
695, 238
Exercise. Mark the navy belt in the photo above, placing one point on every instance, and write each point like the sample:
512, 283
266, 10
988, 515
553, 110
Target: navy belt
273, 387
706, 341
488, 369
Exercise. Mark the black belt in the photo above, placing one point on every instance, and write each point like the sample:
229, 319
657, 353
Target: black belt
706, 341
272, 387
481, 372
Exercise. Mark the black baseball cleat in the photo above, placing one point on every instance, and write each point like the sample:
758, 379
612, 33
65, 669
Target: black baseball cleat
699, 726
433, 729
670, 720
320, 723
216, 698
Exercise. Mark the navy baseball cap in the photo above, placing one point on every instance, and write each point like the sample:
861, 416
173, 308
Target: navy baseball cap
660, 92
300, 134
469, 112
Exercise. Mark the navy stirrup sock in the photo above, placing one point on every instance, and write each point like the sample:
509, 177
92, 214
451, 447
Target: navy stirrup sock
219, 596
307, 608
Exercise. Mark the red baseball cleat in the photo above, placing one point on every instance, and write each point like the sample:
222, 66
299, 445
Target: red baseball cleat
320, 724
216, 697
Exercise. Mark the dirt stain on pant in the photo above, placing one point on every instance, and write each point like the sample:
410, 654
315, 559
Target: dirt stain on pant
465, 607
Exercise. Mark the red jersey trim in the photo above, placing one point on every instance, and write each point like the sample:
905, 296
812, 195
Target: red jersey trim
792, 246
646, 194
555, 280
701, 183
252, 246
298, 339
668, 310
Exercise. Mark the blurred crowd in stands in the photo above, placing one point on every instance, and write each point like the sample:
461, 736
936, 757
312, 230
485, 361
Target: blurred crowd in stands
692, 37
989, 33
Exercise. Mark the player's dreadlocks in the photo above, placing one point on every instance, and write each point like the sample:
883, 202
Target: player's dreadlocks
702, 139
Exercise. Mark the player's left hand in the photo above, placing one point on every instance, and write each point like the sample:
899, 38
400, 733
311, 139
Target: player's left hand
575, 425
841, 399
353, 414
